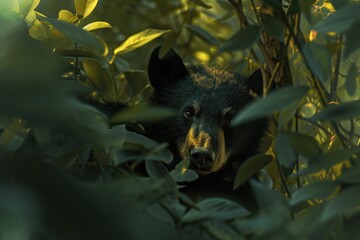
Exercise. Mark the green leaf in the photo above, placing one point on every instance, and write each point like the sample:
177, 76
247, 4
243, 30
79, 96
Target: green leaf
351, 175
343, 111
202, 34
275, 101
327, 160
250, 167
182, 173
139, 39
268, 199
67, 16
96, 25
346, 202
75, 33
313, 191
274, 27
137, 81
318, 59
351, 78
97, 74
340, 20
284, 151
215, 208
156, 169
85, 7
201, 4
304, 145
242, 39
27, 8
142, 113
352, 39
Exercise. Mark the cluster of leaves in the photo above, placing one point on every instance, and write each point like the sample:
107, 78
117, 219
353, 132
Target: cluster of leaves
309, 189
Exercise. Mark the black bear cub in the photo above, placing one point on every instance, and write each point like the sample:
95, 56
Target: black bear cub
206, 99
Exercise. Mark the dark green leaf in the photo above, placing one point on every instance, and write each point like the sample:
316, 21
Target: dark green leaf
137, 81
242, 39
220, 230
168, 43
142, 113
284, 151
303, 145
352, 39
182, 173
268, 199
327, 160
351, 175
339, 3
156, 169
318, 59
343, 111
250, 167
351, 78
215, 208
275, 101
274, 27
314, 191
340, 20
346, 202
75, 33
224, 4
201, 33
276, 4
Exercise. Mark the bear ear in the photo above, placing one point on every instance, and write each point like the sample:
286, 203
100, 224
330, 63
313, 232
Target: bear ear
255, 83
167, 70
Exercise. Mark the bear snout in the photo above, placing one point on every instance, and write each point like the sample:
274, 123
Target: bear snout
202, 158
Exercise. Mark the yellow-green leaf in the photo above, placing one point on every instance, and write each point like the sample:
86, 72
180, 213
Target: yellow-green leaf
26, 8
85, 7
67, 16
96, 25
139, 39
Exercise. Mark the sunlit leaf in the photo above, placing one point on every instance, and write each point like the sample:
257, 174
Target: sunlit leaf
250, 167
96, 25
75, 33
139, 39
215, 208
201, 4
319, 60
275, 101
38, 31
346, 202
242, 39
314, 191
85, 7
351, 78
27, 8
67, 16
340, 20
274, 27
201, 33
339, 112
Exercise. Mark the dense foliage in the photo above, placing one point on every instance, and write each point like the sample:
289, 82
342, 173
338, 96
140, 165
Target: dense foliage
65, 175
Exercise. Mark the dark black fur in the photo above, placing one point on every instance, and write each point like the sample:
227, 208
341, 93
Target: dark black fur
213, 90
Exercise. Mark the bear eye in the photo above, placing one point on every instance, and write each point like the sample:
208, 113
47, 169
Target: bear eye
188, 114
228, 117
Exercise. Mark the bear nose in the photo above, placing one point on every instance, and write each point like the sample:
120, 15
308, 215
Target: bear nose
202, 157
